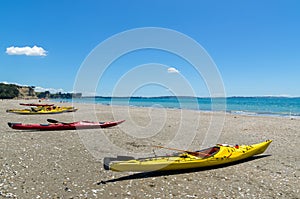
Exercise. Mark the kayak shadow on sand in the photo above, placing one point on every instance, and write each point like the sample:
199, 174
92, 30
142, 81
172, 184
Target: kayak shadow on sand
168, 173
36, 131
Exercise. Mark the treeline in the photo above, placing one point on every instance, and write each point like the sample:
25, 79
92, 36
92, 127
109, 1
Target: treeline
8, 91
47, 94
11, 91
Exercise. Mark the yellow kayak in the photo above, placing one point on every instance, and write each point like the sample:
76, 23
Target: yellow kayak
217, 155
43, 110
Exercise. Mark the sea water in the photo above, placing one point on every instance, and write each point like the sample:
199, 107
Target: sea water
270, 106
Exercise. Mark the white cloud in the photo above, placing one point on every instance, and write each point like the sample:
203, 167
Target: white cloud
4, 82
172, 70
51, 90
28, 51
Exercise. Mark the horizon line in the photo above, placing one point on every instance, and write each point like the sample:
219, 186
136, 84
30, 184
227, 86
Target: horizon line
172, 96
231, 96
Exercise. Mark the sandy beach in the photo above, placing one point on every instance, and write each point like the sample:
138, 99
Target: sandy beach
68, 164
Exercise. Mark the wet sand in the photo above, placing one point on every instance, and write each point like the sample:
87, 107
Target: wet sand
68, 164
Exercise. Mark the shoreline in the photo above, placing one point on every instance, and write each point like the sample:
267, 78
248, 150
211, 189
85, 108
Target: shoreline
232, 112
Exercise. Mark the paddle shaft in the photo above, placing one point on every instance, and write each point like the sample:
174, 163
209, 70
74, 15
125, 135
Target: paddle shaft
185, 151
55, 121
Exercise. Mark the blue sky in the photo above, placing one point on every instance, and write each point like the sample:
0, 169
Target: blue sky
254, 44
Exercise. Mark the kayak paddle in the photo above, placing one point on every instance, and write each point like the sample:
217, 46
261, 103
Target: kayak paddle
55, 121
185, 151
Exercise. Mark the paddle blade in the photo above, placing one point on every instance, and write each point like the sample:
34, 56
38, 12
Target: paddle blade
56, 122
52, 121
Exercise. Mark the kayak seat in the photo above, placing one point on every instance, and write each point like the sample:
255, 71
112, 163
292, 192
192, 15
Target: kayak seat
206, 152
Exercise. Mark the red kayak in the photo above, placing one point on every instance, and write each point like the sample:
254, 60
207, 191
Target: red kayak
64, 126
25, 104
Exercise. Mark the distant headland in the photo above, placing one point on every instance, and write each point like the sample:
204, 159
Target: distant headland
13, 91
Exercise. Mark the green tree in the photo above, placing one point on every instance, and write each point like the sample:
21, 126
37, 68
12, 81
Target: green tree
8, 91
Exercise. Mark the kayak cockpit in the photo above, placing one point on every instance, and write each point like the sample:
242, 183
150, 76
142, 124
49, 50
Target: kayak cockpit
205, 153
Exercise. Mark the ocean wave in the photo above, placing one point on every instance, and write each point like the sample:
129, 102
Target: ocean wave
264, 106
